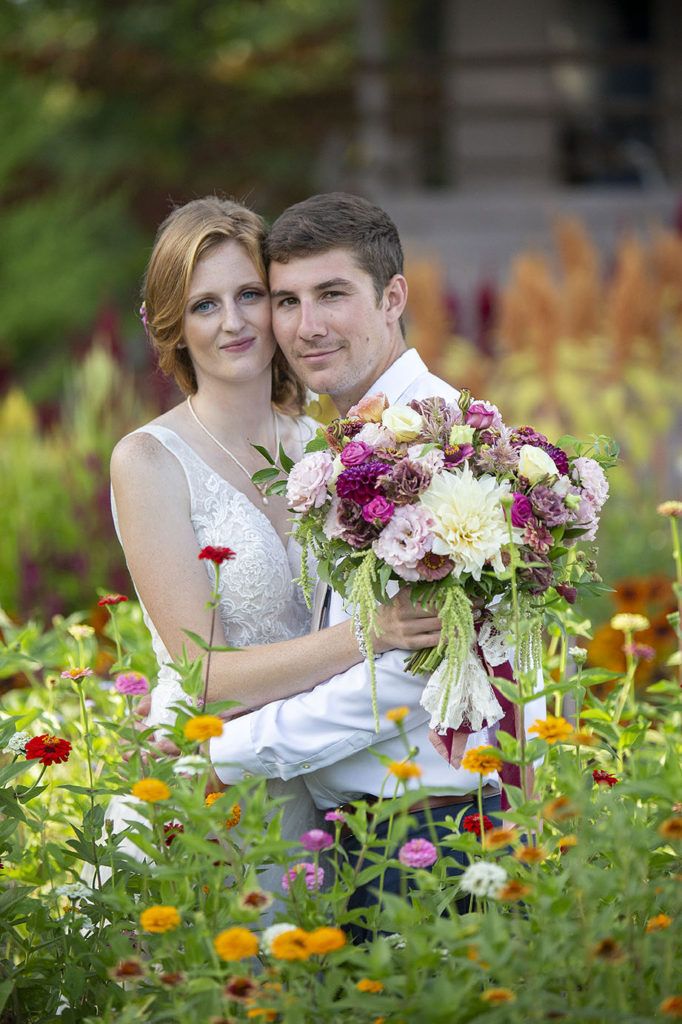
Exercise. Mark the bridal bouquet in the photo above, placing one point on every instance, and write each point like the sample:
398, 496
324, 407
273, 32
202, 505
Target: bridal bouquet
481, 519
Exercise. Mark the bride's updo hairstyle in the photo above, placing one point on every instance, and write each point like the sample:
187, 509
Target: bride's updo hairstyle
185, 236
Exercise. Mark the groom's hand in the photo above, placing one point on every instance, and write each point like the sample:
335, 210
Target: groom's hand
155, 748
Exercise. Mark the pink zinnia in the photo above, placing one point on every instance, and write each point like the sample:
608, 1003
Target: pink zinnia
334, 816
313, 880
418, 853
317, 839
76, 673
132, 684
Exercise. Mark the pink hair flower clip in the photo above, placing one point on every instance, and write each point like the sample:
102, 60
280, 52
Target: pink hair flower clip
143, 315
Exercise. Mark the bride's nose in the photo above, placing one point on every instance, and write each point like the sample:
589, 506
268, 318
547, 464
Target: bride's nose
233, 317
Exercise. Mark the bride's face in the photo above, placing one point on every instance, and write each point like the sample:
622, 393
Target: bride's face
226, 320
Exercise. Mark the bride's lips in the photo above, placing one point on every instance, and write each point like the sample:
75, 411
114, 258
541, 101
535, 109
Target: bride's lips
241, 345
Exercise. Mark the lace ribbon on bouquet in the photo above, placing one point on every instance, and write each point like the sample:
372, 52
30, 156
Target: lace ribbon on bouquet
469, 699
482, 700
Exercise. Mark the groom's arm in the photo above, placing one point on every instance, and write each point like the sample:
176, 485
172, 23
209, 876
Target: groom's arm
315, 729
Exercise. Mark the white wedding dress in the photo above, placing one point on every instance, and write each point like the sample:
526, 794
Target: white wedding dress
259, 604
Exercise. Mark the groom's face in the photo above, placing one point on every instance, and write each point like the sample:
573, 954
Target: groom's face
327, 321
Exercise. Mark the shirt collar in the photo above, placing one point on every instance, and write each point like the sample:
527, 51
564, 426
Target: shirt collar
396, 379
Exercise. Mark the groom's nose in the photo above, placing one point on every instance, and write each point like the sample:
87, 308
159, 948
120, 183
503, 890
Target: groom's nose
311, 322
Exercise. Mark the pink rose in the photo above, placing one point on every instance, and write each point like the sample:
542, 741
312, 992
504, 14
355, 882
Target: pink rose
478, 416
355, 452
307, 483
521, 510
378, 508
589, 474
405, 540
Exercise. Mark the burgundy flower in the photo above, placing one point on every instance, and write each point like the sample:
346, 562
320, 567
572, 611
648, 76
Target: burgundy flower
359, 483
171, 830
472, 823
111, 599
241, 989
338, 430
604, 778
48, 749
355, 529
521, 510
455, 454
434, 567
378, 509
217, 555
526, 435
355, 453
406, 481
568, 592
558, 456
537, 571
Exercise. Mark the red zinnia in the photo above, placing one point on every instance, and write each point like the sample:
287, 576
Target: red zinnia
603, 777
217, 555
111, 599
472, 823
48, 749
172, 830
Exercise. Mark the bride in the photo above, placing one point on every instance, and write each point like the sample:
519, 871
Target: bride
183, 482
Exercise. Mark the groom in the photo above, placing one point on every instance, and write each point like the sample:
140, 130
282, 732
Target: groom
335, 266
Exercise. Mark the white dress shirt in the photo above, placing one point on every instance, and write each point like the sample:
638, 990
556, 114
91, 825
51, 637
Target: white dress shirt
328, 733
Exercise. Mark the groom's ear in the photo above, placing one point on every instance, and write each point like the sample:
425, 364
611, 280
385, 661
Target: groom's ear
395, 298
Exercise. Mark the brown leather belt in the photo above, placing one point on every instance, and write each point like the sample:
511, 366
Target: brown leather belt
432, 802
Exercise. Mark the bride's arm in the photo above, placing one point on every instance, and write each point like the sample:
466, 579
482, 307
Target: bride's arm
161, 549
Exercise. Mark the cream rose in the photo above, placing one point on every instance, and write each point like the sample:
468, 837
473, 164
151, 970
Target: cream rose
534, 463
461, 434
405, 423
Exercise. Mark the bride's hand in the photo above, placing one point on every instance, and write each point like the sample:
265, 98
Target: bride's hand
404, 627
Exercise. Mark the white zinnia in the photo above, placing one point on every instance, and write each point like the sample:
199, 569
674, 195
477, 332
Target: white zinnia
483, 879
74, 890
470, 523
272, 932
17, 744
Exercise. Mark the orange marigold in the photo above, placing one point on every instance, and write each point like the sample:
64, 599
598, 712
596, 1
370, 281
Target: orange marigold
552, 729
404, 769
151, 790
291, 945
203, 727
159, 918
513, 890
369, 985
531, 854
498, 837
326, 940
235, 944
559, 809
658, 923
236, 815
481, 759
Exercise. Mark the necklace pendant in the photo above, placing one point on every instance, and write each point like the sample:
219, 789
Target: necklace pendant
265, 500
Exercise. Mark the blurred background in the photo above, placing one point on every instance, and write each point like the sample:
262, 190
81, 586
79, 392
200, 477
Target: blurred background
530, 154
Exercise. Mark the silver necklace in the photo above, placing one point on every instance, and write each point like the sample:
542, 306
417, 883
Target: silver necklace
261, 488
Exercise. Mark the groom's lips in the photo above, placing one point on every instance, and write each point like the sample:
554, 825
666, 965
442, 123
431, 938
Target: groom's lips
319, 356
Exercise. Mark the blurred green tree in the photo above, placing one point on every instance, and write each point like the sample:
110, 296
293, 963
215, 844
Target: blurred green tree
111, 111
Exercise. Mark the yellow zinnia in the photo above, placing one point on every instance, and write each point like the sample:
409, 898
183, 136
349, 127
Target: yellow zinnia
397, 714
629, 622
404, 769
326, 940
658, 923
481, 759
159, 918
495, 996
235, 944
234, 818
151, 790
203, 727
552, 729
291, 945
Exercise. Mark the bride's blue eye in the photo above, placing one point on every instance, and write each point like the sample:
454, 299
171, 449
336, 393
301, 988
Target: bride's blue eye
252, 293
203, 306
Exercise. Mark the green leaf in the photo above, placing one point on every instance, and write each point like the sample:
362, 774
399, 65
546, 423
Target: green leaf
318, 443
262, 476
11, 771
205, 645
285, 461
265, 453
6, 988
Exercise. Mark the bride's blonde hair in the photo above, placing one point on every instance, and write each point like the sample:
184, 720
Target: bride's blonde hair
185, 236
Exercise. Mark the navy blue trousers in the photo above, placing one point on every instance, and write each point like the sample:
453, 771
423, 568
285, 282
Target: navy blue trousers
367, 895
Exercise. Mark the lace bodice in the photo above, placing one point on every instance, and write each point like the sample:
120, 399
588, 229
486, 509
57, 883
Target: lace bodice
259, 601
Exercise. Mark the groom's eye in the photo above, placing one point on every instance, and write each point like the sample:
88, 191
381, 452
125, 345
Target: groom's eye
286, 302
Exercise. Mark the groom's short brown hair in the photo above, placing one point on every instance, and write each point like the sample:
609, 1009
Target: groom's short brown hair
338, 220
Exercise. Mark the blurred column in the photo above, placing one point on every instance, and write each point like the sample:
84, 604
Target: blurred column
668, 33
500, 94
372, 98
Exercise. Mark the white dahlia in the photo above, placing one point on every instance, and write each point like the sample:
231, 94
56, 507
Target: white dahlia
470, 525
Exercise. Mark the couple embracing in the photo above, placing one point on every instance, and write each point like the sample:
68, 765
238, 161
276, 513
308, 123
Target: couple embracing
245, 320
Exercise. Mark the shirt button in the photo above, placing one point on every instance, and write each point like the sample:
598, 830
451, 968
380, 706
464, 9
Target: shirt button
306, 765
